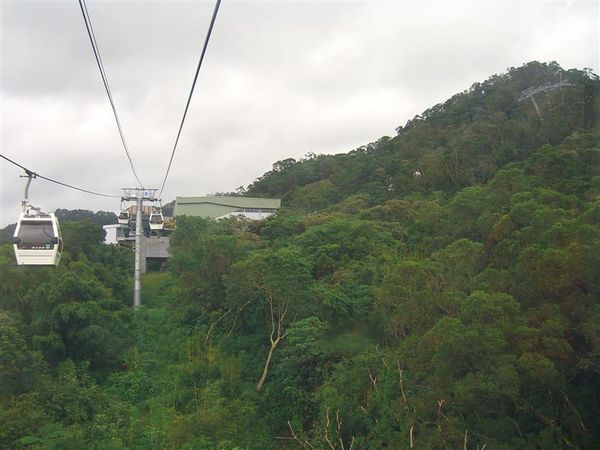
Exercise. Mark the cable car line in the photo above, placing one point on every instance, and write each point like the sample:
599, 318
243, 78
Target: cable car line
92, 36
37, 175
206, 40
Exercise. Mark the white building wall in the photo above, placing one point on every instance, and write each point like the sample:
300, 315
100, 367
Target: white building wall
111, 233
248, 215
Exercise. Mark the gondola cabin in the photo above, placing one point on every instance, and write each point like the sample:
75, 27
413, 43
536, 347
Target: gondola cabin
156, 220
124, 218
37, 240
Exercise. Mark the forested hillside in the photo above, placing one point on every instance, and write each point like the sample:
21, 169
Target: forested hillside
439, 289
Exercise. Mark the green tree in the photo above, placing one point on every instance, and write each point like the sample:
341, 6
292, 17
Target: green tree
276, 283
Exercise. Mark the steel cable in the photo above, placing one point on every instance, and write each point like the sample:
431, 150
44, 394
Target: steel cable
92, 36
37, 175
206, 40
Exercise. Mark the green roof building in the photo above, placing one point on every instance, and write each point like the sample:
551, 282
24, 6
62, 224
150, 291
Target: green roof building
220, 206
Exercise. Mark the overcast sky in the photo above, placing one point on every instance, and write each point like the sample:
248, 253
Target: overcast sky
280, 79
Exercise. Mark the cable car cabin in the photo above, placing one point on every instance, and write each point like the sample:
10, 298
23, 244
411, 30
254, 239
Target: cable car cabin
37, 240
124, 218
156, 220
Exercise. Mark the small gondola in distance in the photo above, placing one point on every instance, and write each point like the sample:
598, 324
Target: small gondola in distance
156, 220
124, 218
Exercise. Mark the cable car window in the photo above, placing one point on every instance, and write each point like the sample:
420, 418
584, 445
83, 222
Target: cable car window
156, 218
35, 234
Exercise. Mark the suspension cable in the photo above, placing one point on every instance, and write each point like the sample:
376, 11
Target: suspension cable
35, 174
92, 36
206, 40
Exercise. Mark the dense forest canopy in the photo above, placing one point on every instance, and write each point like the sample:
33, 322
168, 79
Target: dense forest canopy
438, 289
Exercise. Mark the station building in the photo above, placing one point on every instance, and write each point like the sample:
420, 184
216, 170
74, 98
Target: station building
155, 248
222, 206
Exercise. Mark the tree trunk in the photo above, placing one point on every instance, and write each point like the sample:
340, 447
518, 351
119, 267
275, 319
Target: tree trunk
277, 334
267, 364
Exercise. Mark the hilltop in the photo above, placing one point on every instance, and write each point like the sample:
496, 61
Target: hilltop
461, 142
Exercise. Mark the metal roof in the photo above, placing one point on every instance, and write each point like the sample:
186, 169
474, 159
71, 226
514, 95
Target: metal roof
220, 205
238, 202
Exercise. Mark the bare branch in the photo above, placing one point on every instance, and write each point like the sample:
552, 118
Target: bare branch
212, 325
550, 423
338, 420
439, 425
239, 311
581, 424
351, 443
270, 301
331, 446
518, 428
402, 384
304, 443
440, 403
373, 379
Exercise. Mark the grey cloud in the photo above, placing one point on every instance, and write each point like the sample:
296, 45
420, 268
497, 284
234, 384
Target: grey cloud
279, 80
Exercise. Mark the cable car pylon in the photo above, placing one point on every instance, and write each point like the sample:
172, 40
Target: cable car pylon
139, 195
